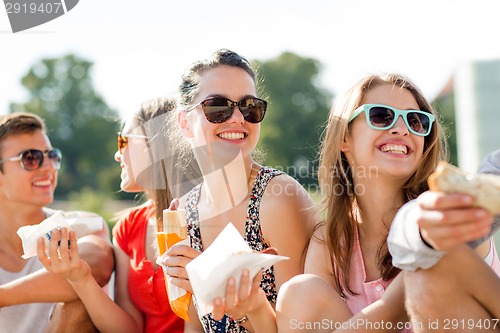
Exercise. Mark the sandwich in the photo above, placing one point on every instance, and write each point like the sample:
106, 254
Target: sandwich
485, 188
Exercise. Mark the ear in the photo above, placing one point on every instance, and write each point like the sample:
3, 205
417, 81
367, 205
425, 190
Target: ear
344, 146
183, 123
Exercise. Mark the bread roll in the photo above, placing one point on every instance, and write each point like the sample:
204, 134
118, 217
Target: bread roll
484, 188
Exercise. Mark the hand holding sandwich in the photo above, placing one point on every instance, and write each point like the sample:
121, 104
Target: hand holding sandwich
459, 208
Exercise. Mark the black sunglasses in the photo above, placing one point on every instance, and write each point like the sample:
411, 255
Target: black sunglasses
219, 109
32, 159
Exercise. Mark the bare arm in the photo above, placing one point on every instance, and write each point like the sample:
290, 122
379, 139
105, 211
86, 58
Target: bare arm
318, 261
66, 262
122, 297
44, 286
287, 220
287, 215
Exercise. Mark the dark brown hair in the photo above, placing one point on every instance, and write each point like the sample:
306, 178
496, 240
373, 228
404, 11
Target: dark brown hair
18, 123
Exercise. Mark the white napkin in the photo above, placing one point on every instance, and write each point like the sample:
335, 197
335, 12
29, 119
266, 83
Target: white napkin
31, 233
228, 255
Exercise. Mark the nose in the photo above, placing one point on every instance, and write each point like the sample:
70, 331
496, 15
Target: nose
118, 156
237, 116
399, 127
47, 163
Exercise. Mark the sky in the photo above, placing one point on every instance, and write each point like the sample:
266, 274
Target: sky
140, 48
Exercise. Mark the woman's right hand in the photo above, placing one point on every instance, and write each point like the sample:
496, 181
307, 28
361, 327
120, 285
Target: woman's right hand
178, 256
63, 256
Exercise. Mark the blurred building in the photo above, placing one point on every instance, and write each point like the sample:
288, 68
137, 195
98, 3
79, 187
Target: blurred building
475, 91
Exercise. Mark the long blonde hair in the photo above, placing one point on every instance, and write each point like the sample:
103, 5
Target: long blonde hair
336, 182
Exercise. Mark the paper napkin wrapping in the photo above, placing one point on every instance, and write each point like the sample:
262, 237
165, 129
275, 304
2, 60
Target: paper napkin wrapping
228, 255
31, 233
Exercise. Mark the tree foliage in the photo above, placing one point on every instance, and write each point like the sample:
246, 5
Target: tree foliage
83, 126
79, 122
445, 107
298, 108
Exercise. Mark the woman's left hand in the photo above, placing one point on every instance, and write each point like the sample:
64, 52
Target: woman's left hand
238, 303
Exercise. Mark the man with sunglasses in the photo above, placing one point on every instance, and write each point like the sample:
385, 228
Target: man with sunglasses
28, 177
429, 238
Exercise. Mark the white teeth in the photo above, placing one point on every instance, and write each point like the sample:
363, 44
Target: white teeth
396, 149
232, 135
42, 183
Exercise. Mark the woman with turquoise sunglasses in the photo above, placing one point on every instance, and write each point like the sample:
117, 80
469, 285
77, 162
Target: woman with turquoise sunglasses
380, 145
381, 161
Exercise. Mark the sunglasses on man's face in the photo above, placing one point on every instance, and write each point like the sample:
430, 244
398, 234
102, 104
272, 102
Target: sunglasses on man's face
383, 117
219, 109
32, 159
123, 139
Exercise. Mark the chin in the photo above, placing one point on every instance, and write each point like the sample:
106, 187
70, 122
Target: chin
404, 175
399, 171
130, 188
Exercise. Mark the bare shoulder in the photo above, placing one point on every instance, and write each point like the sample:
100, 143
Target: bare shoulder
284, 191
287, 208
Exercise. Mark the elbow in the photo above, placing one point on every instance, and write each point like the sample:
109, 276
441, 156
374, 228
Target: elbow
98, 253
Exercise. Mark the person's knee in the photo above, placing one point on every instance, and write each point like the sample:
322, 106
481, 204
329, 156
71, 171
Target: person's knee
98, 253
424, 289
420, 289
296, 292
296, 286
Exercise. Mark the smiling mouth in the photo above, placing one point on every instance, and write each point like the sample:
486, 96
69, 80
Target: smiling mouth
232, 135
395, 149
43, 183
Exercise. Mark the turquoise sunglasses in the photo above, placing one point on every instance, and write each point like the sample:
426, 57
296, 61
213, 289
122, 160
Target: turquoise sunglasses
382, 117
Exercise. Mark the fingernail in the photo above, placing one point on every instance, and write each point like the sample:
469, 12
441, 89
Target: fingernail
466, 199
245, 272
480, 213
231, 281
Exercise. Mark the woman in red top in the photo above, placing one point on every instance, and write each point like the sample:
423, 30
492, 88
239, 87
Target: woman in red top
140, 283
141, 300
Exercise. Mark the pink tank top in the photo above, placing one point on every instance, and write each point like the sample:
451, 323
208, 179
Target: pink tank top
371, 291
492, 258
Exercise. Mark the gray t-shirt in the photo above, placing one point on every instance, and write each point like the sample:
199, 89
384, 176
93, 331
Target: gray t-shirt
408, 250
24, 318
33, 317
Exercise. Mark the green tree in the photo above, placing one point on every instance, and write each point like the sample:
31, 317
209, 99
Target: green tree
79, 122
445, 106
297, 111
